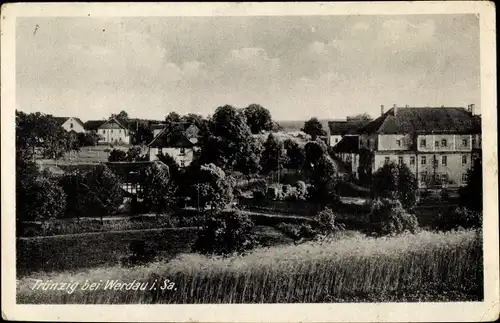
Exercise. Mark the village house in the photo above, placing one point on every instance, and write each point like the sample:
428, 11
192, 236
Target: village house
438, 144
109, 131
341, 128
71, 124
179, 140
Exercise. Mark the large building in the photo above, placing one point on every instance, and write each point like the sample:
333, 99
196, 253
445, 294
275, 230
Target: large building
178, 140
341, 128
110, 131
438, 144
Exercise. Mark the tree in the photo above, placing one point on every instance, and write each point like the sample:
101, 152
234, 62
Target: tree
36, 130
364, 117
295, 154
274, 155
324, 180
143, 133
325, 222
387, 216
160, 196
172, 117
210, 187
314, 128
314, 151
117, 155
75, 189
225, 233
104, 192
87, 139
396, 182
471, 195
134, 154
122, 116
250, 157
258, 118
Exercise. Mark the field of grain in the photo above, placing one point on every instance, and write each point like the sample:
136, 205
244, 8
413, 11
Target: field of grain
422, 267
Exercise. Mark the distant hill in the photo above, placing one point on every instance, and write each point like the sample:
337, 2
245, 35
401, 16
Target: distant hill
290, 126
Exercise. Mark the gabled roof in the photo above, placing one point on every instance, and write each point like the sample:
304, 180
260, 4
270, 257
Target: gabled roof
62, 120
348, 144
110, 122
93, 124
344, 127
424, 120
176, 135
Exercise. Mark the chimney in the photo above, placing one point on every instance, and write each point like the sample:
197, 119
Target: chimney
381, 109
472, 109
442, 105
407, 106
395, 109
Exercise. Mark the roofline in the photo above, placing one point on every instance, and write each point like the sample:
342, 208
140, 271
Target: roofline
113, 119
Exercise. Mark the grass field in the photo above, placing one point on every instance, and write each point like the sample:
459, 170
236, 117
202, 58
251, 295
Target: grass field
422, 267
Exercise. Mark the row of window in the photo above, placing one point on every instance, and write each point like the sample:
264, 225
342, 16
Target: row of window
440, 178
437, 144
423, 160
119, 131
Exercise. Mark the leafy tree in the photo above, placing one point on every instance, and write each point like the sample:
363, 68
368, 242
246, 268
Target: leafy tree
134, 154
104, 192
387, 216
471, 195
199, 121
314, 151
364, 117
39, 198
325, 222
459, 217
225, 233
160, 189
396, 182
314, 128
117, 155
210, 187
295, 154
172, 117
122, 116
258, 118
75, 189
143, 134
173, 167
36, 130
324, 180
274, 155
250, 158
88, 139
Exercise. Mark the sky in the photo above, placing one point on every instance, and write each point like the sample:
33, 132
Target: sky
297, 67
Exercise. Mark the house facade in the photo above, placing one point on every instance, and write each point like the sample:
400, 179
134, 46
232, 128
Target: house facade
438, 145
71, 124
341, 128
178, 140
113, 132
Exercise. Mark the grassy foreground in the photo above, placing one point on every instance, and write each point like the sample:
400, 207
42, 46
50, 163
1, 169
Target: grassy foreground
422, 267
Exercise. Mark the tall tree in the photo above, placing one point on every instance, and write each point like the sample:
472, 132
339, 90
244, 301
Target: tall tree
211, 188
314, 128
274, 155
314, 150
295, 154
160, 196
395, 182
471, 195
122, 116
323, 180
172, 117
258, 118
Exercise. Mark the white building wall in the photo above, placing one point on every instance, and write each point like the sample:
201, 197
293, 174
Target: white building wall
72, 125
112, 136
334, 140
182, 157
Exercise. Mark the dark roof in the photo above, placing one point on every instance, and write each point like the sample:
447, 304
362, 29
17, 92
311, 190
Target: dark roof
174, 138
345, 127
348, 144
424, 120
93, 124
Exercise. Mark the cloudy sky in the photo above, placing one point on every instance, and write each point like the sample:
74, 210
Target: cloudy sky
297, 67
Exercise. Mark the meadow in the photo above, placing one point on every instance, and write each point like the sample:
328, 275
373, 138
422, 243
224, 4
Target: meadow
428, 266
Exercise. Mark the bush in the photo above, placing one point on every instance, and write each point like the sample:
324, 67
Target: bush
306, 232
226, 232
387, 216
117, 155
325, 222
272, 193
459, 217
140, 253
301, 188
259, 196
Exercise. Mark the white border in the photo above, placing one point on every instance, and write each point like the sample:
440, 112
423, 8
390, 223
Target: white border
359, 312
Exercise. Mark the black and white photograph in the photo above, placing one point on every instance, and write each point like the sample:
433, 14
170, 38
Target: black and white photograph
243, 156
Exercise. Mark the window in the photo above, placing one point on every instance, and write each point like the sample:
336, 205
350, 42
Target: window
103, 132
412, 160
423, 177
400, 160
71, 125
423, 143
464, 142
464, 178
423, 160
436, 144
336, 139
183, 151
111, 130
398, 143
444, 143
437, 178
183, 163
464, 159
444, 160
387, 159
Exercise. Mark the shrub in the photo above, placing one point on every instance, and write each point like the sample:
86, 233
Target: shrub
226, 232
459, 217
272, 193
387, 216
306, 232
301, 188
140, 253
286, 188
325, 222
117, 155
259, 196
